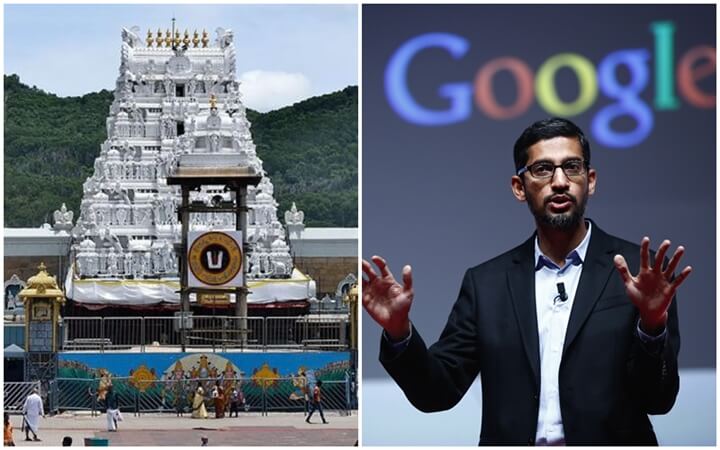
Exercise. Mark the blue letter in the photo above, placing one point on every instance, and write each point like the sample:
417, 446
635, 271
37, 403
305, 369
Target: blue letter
628, 100
399, 97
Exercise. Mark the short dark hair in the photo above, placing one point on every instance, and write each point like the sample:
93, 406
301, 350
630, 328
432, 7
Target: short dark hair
548, 129
319, 382
67, 441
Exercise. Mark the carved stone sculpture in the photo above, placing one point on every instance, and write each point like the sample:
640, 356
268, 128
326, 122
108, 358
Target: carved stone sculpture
128, 219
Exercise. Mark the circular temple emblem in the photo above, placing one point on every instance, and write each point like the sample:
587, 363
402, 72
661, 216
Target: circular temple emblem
142, 378
215, 258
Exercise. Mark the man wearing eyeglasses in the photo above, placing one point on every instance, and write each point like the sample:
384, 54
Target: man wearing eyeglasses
571, 347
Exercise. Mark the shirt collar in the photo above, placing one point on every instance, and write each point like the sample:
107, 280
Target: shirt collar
575, 258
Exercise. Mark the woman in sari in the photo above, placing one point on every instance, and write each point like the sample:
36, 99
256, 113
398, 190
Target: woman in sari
198, 406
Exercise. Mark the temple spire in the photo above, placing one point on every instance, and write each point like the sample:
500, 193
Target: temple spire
167, 114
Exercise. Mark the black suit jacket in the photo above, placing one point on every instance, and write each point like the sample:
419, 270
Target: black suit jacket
609, 381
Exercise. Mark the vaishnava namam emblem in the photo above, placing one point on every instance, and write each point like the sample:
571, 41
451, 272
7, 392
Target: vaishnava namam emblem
215, 258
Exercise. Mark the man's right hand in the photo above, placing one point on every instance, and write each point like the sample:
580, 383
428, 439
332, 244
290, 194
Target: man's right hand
387, 302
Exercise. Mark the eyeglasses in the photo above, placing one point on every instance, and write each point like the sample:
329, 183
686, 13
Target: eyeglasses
546, 169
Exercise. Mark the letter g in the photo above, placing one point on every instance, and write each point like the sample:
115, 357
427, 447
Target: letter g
396, 88
629, 103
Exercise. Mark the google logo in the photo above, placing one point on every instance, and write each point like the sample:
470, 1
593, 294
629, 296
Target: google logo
694, 65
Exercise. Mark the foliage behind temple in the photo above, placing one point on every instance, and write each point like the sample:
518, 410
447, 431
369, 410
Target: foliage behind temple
309, 150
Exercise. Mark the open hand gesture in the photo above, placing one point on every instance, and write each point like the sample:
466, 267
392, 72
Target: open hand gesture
387, 302
652, 289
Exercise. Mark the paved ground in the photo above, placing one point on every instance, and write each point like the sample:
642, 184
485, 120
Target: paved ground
154, 429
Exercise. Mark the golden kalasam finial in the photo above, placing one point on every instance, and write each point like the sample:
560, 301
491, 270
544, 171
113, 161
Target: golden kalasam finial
196, 39
159, 38
149, 39
213, 102
186, 39
177, 38
168, 39
205, 39
41, 282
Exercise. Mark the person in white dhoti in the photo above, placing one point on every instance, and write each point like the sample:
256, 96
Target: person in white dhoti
32, 411
113, 412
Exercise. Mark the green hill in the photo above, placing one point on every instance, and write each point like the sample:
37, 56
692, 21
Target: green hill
309, 150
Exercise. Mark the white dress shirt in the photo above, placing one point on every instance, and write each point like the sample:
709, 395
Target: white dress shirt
553, 315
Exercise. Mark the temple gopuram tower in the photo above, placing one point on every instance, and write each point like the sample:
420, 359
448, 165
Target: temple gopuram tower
176, 99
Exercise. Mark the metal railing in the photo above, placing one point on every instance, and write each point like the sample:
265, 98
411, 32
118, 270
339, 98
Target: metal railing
263, 395
219, 333
15, 393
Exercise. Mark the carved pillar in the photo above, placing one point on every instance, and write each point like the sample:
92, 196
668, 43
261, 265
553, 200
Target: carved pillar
241, 293
182, 254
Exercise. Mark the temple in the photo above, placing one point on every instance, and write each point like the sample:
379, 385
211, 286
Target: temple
176, 103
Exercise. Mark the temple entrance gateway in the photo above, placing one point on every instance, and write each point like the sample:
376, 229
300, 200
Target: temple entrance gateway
177, 121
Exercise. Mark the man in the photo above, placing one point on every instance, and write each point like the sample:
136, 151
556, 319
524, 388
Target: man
112, 410
32, 411
234, 402
570, 350
316, 402
93, 402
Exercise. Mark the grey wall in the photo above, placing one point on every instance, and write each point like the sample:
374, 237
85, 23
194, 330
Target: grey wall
438, 197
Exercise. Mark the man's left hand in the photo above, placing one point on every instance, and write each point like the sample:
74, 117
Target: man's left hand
652, 289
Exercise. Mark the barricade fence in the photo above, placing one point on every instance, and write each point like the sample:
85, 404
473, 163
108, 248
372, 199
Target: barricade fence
219, 333
259, 395
15, 393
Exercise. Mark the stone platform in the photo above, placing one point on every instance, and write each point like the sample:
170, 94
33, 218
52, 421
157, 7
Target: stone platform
166, 429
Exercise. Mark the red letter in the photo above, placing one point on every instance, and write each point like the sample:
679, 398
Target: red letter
485, 98
687, 75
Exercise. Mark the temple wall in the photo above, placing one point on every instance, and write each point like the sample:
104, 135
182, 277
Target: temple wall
327, 271
27, 266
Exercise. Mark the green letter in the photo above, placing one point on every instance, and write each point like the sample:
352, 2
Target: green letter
664, 79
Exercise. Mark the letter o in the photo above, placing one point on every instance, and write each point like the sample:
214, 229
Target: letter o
484, 97
545, 84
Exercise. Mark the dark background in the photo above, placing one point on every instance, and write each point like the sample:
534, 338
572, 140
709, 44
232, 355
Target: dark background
439, 198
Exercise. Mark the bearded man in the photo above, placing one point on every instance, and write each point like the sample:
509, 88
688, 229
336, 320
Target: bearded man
570, 346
